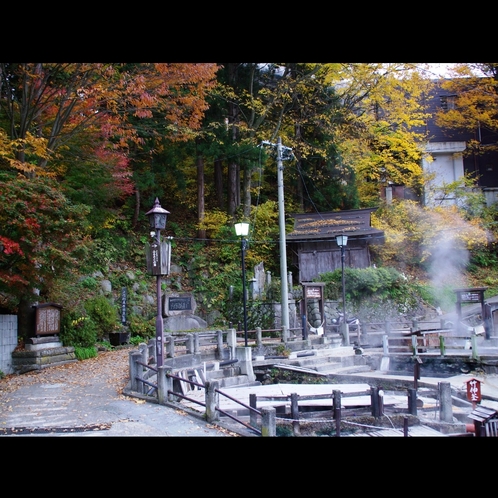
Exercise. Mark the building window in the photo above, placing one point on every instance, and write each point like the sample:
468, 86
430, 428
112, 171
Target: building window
447, 101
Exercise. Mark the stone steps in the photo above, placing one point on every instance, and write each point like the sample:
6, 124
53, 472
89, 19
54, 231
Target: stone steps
331, 361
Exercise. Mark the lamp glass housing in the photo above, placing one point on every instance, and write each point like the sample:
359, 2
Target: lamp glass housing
158, 221
242, 229
342, 240
157, 216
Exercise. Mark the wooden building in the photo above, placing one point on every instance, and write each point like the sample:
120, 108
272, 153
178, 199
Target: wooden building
313, 247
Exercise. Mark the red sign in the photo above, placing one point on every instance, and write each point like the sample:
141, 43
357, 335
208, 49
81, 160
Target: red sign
474, 390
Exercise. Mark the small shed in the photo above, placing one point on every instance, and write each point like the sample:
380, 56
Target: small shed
313, 246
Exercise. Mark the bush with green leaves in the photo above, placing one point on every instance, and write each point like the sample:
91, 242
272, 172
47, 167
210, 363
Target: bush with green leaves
142, 327
104, 314
378, 293
78, 331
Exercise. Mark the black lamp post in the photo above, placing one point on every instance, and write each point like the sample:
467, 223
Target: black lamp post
157, 219
342, 241
242, 230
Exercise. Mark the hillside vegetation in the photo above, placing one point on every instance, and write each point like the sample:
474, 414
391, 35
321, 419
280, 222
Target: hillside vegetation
86, 148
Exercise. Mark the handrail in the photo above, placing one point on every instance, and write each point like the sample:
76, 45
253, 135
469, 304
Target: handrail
181, 379
233, 417
191, 382
238, 402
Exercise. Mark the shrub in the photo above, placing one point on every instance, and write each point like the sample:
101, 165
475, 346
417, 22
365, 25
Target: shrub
103, 314
78, 331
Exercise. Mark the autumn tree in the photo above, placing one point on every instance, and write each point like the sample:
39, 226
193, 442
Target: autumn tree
382, 133
56, 114
83, 125
43, 237
473, 105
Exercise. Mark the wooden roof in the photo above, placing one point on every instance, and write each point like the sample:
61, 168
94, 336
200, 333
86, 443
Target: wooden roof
354, 223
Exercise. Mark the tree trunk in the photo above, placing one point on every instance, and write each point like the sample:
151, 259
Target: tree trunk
233, 188
137, 207
218, 182
26, 318
246, 189
201, 233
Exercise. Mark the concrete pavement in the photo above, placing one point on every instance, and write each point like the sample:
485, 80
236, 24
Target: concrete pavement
85, 399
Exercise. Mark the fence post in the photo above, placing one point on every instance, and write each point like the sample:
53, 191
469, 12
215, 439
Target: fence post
374, 395
190, 344
268, 422
219, 338
212, 400
441, 345
259, 337
336, 410
336, 403
295, 413
170, 341
445, 409
164, 384
412, 401
197, 345
244, 355
144, 351
152, 350
232, 342
253, 416
135, 370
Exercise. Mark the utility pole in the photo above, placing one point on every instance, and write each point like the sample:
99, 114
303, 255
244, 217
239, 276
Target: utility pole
283, 153
283, 247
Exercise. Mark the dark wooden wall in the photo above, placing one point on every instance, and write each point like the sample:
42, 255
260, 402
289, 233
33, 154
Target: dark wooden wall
314, 258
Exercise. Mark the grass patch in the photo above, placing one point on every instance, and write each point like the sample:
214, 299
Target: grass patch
85, 353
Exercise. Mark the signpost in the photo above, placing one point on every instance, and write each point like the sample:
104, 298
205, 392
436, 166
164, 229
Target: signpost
474, 391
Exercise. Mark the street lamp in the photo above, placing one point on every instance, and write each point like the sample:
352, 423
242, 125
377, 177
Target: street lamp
157, 219
242, 230
342, 242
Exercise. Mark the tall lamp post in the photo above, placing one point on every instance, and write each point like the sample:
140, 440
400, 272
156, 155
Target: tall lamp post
242, 230
157, 219
342, 241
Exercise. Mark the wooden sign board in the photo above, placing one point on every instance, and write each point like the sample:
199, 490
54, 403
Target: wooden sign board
474, 390
48, 319
158, 258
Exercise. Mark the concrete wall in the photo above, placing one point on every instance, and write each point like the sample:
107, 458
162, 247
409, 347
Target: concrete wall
8, 342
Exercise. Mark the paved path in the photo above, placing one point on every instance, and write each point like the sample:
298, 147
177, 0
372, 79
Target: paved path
84, 399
